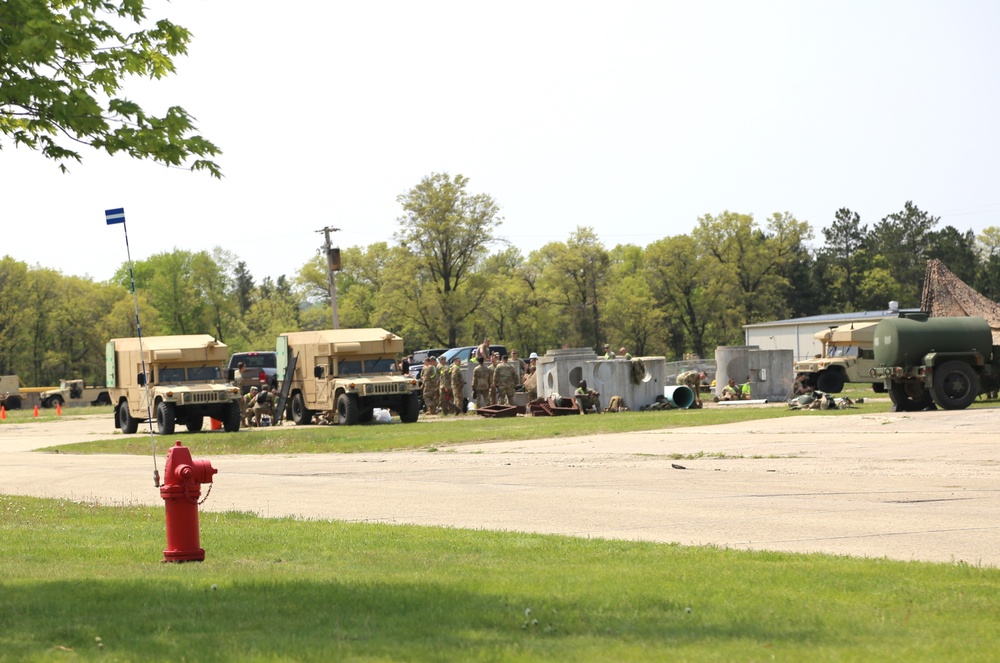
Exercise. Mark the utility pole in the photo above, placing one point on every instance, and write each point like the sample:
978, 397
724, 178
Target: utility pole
333, 266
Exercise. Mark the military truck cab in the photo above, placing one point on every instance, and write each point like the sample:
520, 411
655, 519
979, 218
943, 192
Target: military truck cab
848, 356
346, 373
186, 383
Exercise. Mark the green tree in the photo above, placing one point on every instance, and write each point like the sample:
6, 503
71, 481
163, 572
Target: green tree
174, 294
691, 290
244, 286
753, 260
574, 276
64, 65
15, 307
902, 242
449, 231
845, 258
956, 250
507, 314
210, 275
633, 319
988, 277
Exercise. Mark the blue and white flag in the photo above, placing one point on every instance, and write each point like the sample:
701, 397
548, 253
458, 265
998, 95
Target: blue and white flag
116, 215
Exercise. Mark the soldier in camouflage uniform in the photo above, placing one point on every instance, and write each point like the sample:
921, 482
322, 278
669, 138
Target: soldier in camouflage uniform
692, 380
444, 386
432, 385
505, 379
494, 362
481, 384
457, 386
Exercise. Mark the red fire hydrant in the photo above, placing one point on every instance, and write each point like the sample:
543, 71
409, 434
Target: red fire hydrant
181, 489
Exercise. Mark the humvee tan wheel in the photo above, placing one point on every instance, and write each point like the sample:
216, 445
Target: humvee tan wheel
126, 422
347, 410
166, 419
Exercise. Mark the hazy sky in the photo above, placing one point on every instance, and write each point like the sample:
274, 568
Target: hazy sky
633, 118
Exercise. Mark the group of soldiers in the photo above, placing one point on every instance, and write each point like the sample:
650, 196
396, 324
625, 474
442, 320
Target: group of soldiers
441, 383
255, 404
494, 381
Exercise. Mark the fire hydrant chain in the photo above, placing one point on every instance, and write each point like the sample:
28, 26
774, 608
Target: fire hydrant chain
207, 493
193, 499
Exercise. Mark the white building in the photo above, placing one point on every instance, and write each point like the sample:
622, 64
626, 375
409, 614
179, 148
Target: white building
796, 334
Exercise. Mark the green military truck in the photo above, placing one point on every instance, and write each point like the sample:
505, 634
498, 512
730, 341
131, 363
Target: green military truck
186, 383
926, 361
848, 356
345, 373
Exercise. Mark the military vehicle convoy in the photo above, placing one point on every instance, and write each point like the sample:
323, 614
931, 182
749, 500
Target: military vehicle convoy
848, 356
346, 373
927, 361
186, 383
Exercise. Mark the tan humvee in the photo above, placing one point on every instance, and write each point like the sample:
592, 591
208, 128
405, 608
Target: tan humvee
349, 372
187, 382
848, 355
74, 392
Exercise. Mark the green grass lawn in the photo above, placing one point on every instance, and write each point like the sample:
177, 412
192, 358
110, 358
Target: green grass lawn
84, 582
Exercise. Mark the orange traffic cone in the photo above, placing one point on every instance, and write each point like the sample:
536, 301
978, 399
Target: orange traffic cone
3, 412
215, 423
58, 409
36, 411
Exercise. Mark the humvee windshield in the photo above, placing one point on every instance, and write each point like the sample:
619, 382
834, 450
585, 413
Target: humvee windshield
204, 373
843, 351
362, 366
198, 374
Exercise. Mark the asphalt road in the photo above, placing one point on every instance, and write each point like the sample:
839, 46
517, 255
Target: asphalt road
908, 486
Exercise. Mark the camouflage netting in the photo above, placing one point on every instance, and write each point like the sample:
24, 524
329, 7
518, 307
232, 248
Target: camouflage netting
947, 295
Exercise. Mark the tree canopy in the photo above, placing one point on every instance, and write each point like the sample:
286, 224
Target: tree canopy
64, 67
440, 284
448, 231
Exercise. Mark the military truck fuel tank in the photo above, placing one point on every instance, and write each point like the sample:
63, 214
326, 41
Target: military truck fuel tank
926, 361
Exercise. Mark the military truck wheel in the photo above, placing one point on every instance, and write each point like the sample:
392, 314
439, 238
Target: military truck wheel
909, 396
411, 409
300, 414
54, 401
195, 425
126, 421
103, 399
831, 381
956, 385
347, 410
231, 424
12, 403
166, 418
878, 387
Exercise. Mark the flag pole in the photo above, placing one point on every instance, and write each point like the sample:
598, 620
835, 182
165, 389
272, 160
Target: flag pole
115, 216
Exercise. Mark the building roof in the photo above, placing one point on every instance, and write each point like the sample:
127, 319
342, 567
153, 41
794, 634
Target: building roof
835, 318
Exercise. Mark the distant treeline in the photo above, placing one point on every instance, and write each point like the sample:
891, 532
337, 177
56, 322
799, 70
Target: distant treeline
447, 280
